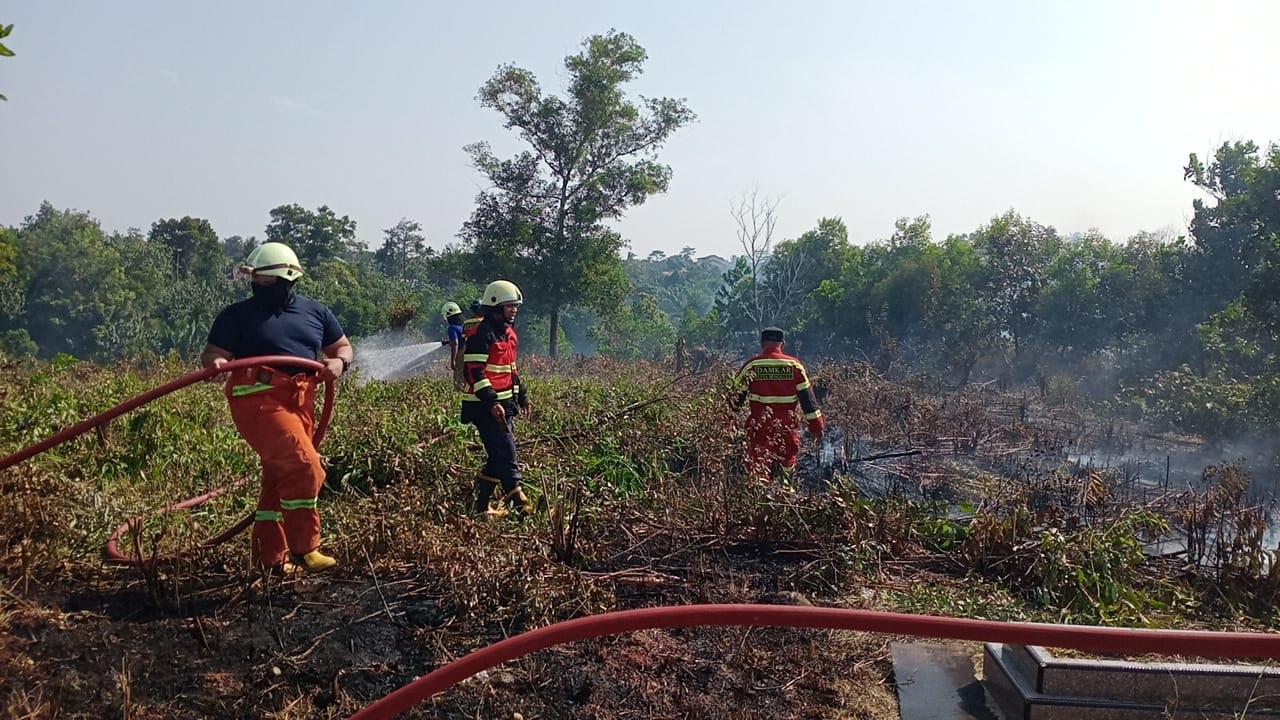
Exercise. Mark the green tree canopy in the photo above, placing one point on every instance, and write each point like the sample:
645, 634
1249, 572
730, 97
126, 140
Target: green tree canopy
403, 249
316, 237
193, 246
592, 155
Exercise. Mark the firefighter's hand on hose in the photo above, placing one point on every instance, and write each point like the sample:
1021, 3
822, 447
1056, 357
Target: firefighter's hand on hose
220, 377
816, 428
333, 369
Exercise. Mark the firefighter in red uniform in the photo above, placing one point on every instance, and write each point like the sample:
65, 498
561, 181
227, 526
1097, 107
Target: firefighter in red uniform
774, 383
477, 317
492, 395
468, 329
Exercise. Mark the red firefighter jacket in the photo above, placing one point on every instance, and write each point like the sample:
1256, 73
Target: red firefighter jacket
775, 383
490, 375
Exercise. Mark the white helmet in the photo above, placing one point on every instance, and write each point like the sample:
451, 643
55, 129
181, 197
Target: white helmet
450, 309
501, 292
275, 259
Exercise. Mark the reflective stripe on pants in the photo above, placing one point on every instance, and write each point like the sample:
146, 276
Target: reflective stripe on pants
278, 424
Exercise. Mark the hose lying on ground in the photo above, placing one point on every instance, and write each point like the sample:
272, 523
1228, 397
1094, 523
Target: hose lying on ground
1078, 637
112, 549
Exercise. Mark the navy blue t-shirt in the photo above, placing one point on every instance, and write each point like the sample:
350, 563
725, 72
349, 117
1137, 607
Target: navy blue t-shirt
455, 332
301, 328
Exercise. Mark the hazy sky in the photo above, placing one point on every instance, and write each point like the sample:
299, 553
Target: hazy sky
1077, 114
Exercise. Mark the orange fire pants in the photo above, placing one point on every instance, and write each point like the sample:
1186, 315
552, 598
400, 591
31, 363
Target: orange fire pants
275, 413
772, 437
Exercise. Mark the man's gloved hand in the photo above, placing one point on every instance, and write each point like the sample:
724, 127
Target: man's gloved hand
816, 428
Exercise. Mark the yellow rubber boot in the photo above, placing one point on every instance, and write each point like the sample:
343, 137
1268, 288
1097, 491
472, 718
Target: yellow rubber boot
315, 561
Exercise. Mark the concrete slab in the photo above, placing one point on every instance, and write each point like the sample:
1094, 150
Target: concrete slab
1022, 684
937, 682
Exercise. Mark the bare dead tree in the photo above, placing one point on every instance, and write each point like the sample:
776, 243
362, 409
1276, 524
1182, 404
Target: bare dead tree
788, 279
756, 216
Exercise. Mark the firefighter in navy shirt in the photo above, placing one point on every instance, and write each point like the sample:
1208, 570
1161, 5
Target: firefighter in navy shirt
274, 408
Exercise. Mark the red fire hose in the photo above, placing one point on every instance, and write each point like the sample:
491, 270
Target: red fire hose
112, 550
1088, 638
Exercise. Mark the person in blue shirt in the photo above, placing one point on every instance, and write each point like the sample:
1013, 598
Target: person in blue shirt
452, 315
273, 407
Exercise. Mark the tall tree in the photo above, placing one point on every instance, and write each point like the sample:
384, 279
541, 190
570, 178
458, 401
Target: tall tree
74, 282
10, 288
593, 155
1015, 254
403, 246
1240, 239
193, 246
1233, 234
238, 248
315, 236
756, 217
797, 267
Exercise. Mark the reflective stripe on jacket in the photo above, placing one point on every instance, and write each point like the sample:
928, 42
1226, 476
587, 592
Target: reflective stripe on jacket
489, 360
777, 381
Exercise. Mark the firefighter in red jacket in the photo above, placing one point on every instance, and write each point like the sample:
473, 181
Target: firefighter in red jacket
477, 317
492, 394
774, 384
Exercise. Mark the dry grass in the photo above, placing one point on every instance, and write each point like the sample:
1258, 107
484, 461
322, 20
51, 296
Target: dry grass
635, 474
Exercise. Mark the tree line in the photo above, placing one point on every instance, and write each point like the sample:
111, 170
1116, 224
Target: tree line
1186, 328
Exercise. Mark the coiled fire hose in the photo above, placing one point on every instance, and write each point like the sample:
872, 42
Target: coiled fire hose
112, 551
1078, 637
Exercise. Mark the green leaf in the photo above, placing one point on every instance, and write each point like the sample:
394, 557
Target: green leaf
4, 31
5, 52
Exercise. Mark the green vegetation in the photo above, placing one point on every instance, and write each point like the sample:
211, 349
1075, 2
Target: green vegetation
632, 460
640, 502
1177, 331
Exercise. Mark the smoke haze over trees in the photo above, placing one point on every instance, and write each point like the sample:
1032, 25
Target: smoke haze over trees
1184, 329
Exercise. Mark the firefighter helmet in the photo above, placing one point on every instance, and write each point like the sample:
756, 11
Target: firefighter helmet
450, 309
275, 259
501, 292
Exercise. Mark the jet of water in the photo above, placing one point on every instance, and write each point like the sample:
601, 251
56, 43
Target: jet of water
383, 358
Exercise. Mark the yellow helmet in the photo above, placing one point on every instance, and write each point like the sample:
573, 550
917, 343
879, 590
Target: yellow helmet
501, 292
276, 259
450, 309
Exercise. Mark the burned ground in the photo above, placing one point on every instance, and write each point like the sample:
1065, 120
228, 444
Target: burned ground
639, 505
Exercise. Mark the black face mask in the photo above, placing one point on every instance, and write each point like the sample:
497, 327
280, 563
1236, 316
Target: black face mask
276, 295
499, 317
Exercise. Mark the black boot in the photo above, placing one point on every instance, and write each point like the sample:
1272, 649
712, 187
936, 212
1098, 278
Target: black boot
484, 493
